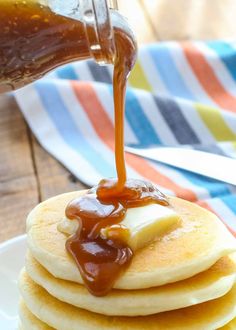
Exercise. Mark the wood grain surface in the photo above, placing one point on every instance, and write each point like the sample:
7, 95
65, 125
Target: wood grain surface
28, 174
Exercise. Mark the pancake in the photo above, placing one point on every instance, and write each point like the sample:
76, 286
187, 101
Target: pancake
195, 246
60, 315
211, 284
29, 321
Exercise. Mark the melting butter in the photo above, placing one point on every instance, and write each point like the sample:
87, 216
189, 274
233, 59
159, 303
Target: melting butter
144, 224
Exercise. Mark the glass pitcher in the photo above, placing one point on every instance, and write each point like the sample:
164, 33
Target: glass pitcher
37, 36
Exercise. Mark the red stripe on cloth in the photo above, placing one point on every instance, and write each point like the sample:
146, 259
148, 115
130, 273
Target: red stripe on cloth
105, 130
207, 78
209, 208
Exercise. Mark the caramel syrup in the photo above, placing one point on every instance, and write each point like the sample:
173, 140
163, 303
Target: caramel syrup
101, 261
34, 40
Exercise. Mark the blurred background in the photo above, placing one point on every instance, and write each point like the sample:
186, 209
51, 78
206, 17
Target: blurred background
154, 20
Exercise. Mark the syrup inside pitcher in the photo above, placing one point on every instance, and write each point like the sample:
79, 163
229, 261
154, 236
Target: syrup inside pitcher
37, 36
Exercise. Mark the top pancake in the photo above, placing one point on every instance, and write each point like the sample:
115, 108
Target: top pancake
195, 246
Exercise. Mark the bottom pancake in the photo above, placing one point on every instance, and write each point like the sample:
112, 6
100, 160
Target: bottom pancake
209, 285
28, 321
59, 315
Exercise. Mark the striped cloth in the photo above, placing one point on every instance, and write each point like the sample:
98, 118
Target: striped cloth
179, 94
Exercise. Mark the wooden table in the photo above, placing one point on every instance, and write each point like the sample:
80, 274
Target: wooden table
28, 174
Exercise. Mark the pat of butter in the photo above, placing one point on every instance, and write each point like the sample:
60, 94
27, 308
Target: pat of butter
145, 224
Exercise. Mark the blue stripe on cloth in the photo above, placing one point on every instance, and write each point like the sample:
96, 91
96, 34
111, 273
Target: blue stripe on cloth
67, 72
230, 201
214, 187
138, 121
53, 104
168, 72
227, 55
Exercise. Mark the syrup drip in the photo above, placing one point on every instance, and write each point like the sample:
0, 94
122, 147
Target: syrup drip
101, 261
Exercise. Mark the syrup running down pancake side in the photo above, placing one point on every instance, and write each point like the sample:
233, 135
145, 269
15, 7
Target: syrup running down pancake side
101, 261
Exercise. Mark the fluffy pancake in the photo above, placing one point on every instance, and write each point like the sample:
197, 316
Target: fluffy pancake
29, 321
195, 246
59, 315
211, 284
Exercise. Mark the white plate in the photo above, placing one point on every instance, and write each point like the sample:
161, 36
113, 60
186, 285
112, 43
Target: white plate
12, 256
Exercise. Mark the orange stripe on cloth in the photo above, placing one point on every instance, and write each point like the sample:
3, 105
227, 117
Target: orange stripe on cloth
207, 78
105, 130
209, 208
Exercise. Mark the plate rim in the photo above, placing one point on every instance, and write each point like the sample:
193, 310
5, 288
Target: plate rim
16, 239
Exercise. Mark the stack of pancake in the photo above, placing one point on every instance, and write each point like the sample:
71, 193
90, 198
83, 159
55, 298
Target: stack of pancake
185, 279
